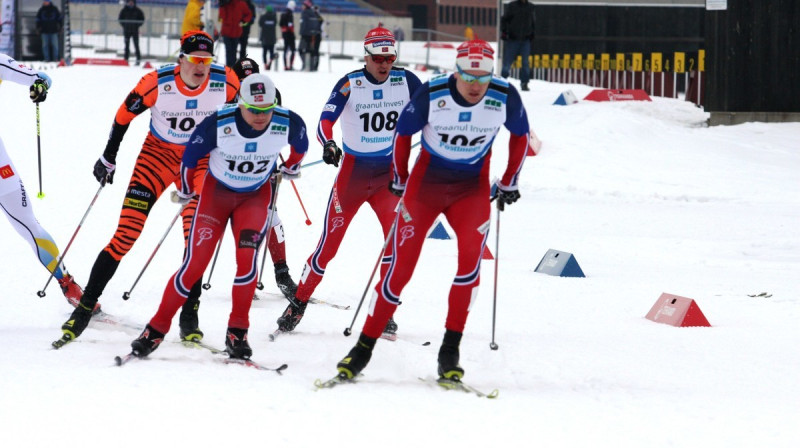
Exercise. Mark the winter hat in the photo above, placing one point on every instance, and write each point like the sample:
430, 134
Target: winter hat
307, 3
475, 54
291, 4
380, 42
245, 67
257, 89
197, 41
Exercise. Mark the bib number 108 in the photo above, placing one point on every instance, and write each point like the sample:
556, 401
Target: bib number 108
379, 122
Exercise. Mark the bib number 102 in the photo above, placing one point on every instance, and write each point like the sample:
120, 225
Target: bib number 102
248, 167
379, 122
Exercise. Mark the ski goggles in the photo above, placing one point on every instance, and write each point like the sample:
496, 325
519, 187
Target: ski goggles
466, 77
199, 60
257, 110
381, 59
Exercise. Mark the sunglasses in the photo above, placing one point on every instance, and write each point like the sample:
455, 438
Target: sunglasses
258, 110
382, 59
200, 60
466, 77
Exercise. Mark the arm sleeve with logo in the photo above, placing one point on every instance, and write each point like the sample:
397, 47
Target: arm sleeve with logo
412, 119
517, 125
333, 109
141, 98
202, 142
298, 139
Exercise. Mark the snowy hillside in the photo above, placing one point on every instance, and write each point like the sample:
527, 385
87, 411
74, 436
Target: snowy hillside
646, 197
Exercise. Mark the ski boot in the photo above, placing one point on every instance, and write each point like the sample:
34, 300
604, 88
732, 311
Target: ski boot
188, 321
448, 357
292, 315
236, 344
284, 280
148, 341
357, 359
73, 292
77, 322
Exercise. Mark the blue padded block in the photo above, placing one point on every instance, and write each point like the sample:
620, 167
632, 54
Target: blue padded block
559, 263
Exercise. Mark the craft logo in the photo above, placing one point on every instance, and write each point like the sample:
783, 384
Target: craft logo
464, 116
377, 94
191, 104
6, 172
251, 147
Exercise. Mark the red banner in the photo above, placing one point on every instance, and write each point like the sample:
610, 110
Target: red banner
618, 95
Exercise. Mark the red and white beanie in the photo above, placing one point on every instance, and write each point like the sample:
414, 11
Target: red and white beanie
380, 42
475, 54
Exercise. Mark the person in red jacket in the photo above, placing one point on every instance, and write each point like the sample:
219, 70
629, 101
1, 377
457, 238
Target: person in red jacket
233, 15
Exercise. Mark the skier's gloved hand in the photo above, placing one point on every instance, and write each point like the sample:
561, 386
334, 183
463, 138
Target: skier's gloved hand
39, 88
179, 197
396, 189
505, 195
288, 173
104, 170
331, 153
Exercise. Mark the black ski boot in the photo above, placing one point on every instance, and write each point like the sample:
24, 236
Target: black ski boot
284, 281
448, 356
77, 322
391, 327
292, 315
236, 344
148, 341
357, 359
189, 323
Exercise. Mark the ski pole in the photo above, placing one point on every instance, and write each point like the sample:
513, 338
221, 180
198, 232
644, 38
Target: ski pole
207, 284
39, 149
308, 221
127, 294
268, 231
41, 292
349, 330
493, 345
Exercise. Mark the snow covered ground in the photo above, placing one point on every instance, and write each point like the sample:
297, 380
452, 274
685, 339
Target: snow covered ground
647, 198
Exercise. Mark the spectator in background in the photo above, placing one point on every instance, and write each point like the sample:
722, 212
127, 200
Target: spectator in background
287, 32
469, 34
399, 35
48, 24
268, 23
192, 17
131, 18
517, 27
246, 29
310, 34
233, 16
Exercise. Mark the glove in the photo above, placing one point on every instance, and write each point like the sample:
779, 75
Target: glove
104, 171
39, 90
506, 196
288, 173
397, 189
331, 153
181, 198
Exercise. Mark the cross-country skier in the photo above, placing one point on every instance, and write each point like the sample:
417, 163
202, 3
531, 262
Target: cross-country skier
179, 97
244, 143
459, 116
14, 201
368, 101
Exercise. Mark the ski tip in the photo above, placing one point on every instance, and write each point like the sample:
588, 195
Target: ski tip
118, 360
426, 343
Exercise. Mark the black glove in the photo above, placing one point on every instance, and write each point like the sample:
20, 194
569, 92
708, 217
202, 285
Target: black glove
506, 197
397, 190
38, 91
331, 153
104, 171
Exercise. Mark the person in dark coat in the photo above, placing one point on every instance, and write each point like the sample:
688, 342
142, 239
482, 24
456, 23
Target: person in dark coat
268, 23
287, 32
48, 24
246, 29
517, 29
131, 18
